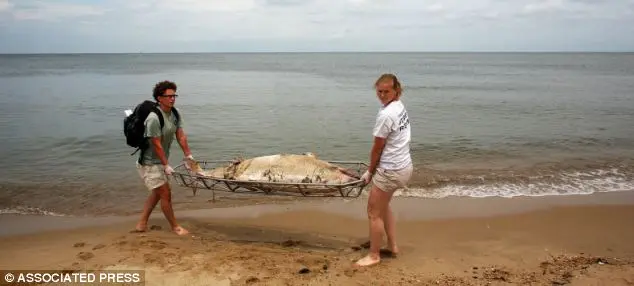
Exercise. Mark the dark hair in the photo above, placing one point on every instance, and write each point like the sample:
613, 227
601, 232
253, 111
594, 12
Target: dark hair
161, 87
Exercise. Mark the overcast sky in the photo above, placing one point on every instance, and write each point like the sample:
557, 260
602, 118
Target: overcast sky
31, 26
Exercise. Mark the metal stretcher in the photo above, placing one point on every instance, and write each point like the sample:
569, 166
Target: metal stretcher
185, 178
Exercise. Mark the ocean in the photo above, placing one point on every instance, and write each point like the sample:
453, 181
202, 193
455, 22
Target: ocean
483, 124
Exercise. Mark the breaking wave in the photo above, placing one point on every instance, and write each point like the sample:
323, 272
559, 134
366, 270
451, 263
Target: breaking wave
514, 185
28, 211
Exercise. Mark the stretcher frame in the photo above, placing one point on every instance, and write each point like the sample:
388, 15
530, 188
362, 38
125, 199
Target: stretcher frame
185, 178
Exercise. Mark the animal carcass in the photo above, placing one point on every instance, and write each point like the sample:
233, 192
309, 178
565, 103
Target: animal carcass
283, 168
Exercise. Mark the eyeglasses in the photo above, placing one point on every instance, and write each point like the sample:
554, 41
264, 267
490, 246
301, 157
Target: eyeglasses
170, 96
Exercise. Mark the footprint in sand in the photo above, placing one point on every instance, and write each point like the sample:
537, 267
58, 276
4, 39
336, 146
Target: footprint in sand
154, 244
155, 258
79, 244
98, 246
252, 279
291, 243
85, 255
350, 272
303, 270
153, 227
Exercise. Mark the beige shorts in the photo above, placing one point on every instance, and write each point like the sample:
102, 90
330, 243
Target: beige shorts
392, 180
153, 175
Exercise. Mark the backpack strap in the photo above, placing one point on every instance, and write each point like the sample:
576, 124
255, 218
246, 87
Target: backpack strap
158, 113
178, 117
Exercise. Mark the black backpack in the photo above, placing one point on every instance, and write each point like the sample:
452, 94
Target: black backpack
134, 127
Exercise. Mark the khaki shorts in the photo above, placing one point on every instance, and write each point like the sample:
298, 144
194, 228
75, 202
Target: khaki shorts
392, 180
153, 175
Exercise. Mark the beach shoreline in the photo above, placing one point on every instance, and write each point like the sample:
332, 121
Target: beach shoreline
405, 208
577, 240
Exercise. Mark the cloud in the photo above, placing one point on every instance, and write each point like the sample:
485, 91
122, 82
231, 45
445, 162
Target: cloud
205, 6
317, 25
578, 9
544, 6
48, 11
5, 5
287, 2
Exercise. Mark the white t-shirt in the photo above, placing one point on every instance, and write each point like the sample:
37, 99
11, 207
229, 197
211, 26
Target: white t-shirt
392, 123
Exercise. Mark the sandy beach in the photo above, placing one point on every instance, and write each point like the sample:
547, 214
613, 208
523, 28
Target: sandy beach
557, 240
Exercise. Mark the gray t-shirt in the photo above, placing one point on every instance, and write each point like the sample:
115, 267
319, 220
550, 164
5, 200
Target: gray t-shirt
153, 129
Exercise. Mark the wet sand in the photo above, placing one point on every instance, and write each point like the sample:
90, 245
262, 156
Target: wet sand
572, 240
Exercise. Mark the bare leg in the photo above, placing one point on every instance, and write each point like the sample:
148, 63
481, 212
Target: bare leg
150, 203
377, 206
166, 206
390, 226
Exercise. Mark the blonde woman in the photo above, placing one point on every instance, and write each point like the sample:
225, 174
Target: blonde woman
390, 166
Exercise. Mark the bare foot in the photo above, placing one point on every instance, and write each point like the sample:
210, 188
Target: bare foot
140, 227
394, 251
180, 230
368, 260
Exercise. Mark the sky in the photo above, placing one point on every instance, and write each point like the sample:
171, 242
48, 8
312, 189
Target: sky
172, 26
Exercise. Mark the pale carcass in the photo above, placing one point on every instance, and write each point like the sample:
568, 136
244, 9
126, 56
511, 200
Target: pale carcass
283, 168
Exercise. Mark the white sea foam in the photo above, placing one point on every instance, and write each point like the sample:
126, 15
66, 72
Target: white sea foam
28, 211
574, 183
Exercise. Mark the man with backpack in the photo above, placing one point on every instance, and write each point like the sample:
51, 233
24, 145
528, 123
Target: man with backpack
151, 129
